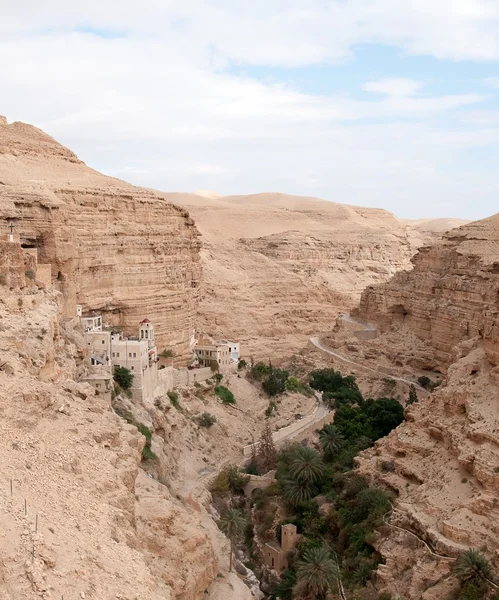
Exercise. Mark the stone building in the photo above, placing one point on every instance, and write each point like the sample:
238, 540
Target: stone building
223, 351
108, 349
276, 555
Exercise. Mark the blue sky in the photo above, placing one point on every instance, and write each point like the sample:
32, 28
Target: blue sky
384, 103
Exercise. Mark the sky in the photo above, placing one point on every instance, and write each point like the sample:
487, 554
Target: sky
381, 103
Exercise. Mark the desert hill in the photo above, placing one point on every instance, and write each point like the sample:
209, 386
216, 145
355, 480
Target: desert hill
112, 247
279, 268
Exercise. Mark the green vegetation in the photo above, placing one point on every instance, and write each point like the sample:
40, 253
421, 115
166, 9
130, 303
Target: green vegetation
473, 570
214, 366
275, 383
225, 395
241, 364
123, 377
167, 353
260, 370
293, 384
232, 524
337, 390
206, 420
316, 573
271, 409
371, 419
330, 440
174, 399
147, 453
413, 396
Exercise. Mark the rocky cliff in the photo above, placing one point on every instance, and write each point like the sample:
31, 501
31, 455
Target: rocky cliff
279, 268
80, 519
445, 458
115, 248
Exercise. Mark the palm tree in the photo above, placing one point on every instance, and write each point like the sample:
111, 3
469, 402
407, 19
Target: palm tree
306, 465
330, 440
316, 573
471, 566
232, 524
296, 492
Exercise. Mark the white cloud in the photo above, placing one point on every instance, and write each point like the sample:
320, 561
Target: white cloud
155, 105
492, 82
395, 86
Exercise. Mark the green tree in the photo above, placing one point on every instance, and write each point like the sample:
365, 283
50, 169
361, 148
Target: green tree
276, 382
330, 440
472, 567
413, 396
306, 465
232, 524
123, 377
297, 492
316, 573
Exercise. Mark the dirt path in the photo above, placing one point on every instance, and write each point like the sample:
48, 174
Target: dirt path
317, 342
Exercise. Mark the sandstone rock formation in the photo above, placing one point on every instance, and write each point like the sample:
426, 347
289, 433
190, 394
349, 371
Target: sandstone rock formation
445, 457
122, 250
280, 268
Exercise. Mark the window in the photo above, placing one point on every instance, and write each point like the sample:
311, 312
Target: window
129, 355
114, 354
118, 354
272, 561
135, 354
103, 341
133, 368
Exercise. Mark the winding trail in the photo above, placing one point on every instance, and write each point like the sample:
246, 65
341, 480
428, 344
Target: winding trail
317, 342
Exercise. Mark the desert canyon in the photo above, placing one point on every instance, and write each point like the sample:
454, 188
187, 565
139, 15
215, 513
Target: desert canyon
86, 514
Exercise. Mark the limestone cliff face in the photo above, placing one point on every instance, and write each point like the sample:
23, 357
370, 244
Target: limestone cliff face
122, 250
446, 455
279, 268
450, 296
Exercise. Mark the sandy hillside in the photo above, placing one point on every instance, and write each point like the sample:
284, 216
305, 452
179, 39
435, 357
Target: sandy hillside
278, 268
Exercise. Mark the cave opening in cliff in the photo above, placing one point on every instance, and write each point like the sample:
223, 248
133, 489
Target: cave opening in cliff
399, 310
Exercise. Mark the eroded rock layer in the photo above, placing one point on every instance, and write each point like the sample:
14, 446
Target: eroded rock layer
122, 250
444, 460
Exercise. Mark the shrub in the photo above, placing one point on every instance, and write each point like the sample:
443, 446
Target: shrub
220, 485
276, 382
293, 384
30, 274
260, 370
214, 366
147, 453
167, 353
413, 396
218, 377
206, 420
271, 408
387, 466
123, 377
241, 364
174, 399
225, 395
